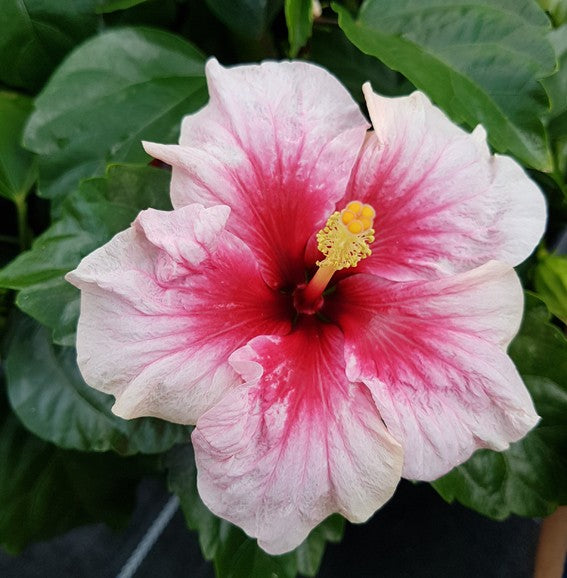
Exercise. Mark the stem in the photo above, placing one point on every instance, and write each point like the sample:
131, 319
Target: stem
325, 21
22, 211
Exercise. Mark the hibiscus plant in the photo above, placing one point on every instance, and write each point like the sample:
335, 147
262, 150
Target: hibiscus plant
281, 255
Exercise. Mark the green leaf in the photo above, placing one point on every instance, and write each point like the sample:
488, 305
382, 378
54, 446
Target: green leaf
551, 284
89, 218
556, 85
104, 6
479, 60
557, 10
36, 35
333, 50
247, 17
540, 349
310, 554
164, 14
18, 168
114, 91
234, 554
558, 135
530, 478
299, 19
48, 394
45, 491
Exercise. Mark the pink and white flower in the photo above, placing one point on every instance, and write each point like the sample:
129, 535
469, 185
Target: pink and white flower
314, 397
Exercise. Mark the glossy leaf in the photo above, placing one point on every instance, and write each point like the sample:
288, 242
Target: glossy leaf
164, 14
332, 49
551, 283
299, 19
247, 17
114, 91
45, 491
18, 169
89, 218
234, 554
556, 87
558, 135
48, 394
112, 5
530, 478
480, 61
36, 35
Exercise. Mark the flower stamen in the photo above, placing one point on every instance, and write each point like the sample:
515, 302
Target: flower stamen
344, 240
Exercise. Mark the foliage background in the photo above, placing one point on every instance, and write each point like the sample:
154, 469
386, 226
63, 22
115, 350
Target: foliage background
82, 82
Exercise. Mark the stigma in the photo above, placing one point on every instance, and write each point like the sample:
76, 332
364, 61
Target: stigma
344, 241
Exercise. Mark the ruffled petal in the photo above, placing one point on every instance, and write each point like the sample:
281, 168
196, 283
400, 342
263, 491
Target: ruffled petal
163, 305
276, 143
444, 204
296, 442
433, 353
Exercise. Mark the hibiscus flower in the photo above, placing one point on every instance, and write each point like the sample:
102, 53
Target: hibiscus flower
329, 306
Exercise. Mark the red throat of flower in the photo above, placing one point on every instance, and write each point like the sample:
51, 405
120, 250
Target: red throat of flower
344, 240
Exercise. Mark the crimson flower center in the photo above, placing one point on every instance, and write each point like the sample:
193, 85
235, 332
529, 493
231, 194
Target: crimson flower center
344, 240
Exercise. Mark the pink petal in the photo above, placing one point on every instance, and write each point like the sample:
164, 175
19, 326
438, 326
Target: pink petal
433, 353
444, 204
163, 305
276, 143
296, 443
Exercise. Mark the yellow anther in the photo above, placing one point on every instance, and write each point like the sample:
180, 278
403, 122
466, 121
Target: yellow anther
368, 212
355, 227
354, 207
366, 223
344, 241
347, 217
346, 237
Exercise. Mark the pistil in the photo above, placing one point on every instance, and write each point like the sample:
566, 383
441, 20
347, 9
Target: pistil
344, 241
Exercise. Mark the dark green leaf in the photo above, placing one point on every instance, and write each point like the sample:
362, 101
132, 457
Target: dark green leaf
558, 135
551, 283
299, 19
333, 50
310, 553
36, 35
556, 85
49, 395
246, 17
111, 93
540, 349
112, 5
89, 218
479, 60
18, 169
530, 478
239, 557
235, 554
45, 491
154, 13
